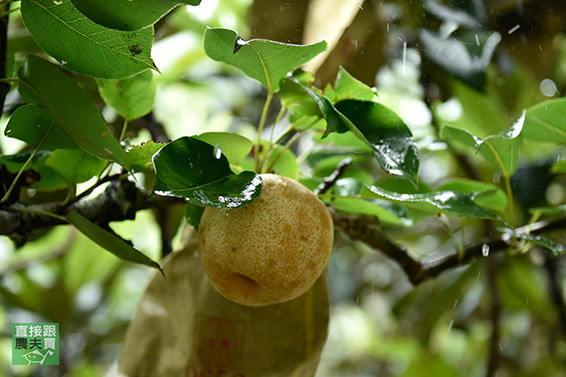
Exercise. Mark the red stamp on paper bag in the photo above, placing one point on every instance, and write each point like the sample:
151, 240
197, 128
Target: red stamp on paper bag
217, 347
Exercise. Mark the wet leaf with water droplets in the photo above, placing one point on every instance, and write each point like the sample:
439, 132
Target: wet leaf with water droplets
487, 195
501, 150
544, 242
447, 202
261, 59
188, 168
382, 129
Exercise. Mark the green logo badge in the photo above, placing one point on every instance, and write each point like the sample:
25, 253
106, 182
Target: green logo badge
35, 343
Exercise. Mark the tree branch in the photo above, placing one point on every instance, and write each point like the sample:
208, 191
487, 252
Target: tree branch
332, 178
366, 229
120, 201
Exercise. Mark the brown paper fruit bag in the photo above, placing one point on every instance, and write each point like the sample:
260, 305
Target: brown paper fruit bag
184, 328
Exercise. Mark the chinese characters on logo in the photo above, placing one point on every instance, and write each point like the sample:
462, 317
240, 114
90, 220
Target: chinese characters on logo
35, 343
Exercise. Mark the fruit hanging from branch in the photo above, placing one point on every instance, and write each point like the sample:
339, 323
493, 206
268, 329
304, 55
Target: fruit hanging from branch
270, 251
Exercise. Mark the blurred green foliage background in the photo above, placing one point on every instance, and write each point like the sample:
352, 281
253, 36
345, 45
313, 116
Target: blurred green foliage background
380, 324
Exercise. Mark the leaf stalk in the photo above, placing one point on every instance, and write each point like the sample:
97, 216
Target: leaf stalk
261, 126
24, 167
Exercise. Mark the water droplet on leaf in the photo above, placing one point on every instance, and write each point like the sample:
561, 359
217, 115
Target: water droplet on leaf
485, 250
217, 152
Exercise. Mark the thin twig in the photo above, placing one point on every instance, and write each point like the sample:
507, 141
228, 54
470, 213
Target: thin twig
278, 118
87, 192
26, 164
261, 125
7, 13
327, 182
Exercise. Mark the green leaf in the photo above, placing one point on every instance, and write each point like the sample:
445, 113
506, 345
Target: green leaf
86, 47
109, 241
75, 166
261, 59
280, 161
300, 100
559, 167
487, 195
464, 56
233, 146
447, 202
193, 213
15, 162
459, 135
133, 97
481, 113
41, 83
545, 121
277, 159
558, 210
194, 170
140, 155
128, 14
390, 138
402, 186
544, 242
57, 169
325, 162
49, 179
369, 208
347, 187
501, 150
305, 78
32, 124
386, 212
347, 197
305, 102
348, 87
346, 141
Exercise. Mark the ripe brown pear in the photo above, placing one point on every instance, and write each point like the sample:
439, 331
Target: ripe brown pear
270, 251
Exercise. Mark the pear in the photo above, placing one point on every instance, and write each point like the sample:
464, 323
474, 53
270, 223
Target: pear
270, 251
